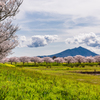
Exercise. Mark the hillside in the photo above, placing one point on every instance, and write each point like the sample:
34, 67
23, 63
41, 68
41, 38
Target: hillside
73, 52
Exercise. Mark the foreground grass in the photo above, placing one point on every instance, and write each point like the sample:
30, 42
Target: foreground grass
45, 84
70, 73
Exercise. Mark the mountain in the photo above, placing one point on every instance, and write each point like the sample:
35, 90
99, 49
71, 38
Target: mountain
73, 52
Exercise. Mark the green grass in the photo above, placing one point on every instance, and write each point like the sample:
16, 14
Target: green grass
41, 83
70, 73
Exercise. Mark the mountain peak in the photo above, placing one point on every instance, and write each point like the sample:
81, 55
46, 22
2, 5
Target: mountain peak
73, 52
79, 47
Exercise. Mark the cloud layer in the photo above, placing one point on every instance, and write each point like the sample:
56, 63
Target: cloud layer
89, 39
70, 7
36, 40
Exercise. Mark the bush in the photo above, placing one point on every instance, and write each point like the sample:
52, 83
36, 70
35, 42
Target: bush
82, 65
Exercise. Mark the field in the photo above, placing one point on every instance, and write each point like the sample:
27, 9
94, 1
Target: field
27, 82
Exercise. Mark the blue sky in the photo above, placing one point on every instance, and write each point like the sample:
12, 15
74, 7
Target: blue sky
51, 26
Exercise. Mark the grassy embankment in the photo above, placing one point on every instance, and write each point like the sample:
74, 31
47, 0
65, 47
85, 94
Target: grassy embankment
55, 83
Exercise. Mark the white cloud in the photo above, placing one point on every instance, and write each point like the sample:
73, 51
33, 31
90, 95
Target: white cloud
69, 7
23, 38
22, 41
37, 40
90, 39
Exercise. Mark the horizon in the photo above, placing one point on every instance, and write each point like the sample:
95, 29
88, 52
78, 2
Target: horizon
58, 52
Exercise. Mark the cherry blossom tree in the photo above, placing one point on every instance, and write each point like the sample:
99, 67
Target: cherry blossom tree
97, 58
9, 8
10, 60
13, 59
28, 59
36, 59
69, 59
4, 60
40, 60
59, 60
79, 58
24, 59
8, 39
48, 60
90, 59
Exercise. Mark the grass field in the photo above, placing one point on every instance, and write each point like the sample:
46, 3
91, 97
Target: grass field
55, 83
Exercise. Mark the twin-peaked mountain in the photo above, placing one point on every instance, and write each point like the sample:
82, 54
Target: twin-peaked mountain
73, 52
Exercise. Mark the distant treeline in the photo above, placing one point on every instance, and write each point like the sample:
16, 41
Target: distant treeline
76, 61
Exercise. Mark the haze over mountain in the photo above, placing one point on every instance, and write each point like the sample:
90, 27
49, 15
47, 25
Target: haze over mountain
73, 52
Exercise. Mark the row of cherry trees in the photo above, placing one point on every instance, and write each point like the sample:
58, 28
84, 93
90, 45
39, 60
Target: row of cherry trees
69, 59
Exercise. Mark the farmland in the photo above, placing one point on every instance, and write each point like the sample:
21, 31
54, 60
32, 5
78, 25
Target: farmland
27, 82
